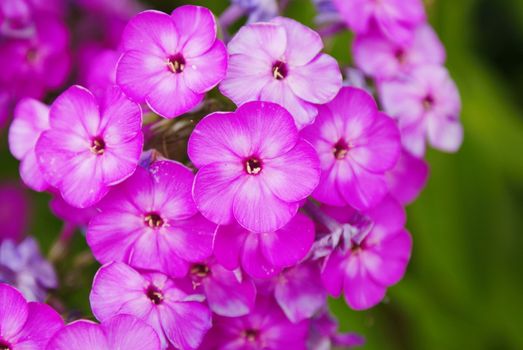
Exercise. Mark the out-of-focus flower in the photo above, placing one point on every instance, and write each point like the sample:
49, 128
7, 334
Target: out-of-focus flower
281, 62
75, 216
25, 325
120, 332
408, 178
258, 10
23, 266
357, 145
14, 212
254, 167
150, 221
90, 146
170, 62
396, 19
31, 118
179, 318
263, 255
228, 293
381, 58
265, 328
101, 75
373, 258
326, 12
427, 106
324, 334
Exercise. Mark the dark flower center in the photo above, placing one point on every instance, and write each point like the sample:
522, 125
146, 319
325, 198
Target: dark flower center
98, 146
400, 55
4, 345
341, 148
200, 270
153, 220
428, 102
279, 70
251, 334
154, 294
32, 55
176, 63
253, 166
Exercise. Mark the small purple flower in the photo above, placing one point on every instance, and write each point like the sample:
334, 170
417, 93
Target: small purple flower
265, 328
408, 178
327, 12
22, 266
381, 58
396, 19
262, 255
170, 62
228, 293
324, 334
254, 167
370, 260
179, 318
90, 146
31, 118
13, 204
357, 145
281, 62
258, 10
120, 332
427, 106
25, 325
150, 221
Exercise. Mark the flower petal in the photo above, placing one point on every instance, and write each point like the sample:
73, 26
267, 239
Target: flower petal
14, 311
128, 332
228, 245
186, 323
79, 335
303, 43
196, 28
204, 72
254, 262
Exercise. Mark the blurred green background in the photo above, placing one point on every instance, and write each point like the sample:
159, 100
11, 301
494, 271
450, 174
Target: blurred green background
464, 287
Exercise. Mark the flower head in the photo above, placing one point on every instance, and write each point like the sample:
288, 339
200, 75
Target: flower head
263, 255
179, 318
170, 62
25, 325
281, 62
23, 266
150, 221
254, 167
357, 146
119, 332
90, 146
31, 118
427, 106
375, 257
396, 19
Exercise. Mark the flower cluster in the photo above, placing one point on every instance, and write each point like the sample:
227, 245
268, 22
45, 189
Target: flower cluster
220, 226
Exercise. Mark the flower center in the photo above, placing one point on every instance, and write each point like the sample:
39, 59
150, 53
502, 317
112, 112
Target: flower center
401, 56
428, 102
341, 148
176, 63
153, 220
4, 345
154, 294
253, 166
98, 146
251, 334
279, 70
200, 270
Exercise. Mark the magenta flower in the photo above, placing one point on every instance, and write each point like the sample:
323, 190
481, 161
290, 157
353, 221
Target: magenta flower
41, 63
150, 221
228, 293
408, 178
397, 19
25, 325
15, 204
254, 167
427, 106
120, 332
180, 319
262, 255
357, 146
281, 62
31, 118
265, 328
381, 58
89, 146
371, 260
170, 62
